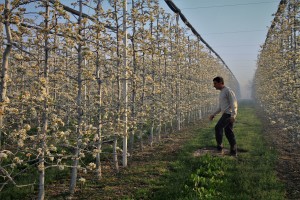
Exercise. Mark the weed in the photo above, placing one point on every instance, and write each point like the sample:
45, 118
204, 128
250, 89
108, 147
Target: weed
207, 179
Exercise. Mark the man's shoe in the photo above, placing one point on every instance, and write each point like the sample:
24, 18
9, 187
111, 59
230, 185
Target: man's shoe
220, 149
233, 151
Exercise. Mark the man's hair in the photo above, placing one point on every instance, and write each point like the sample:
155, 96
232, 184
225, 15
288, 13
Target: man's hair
219, 79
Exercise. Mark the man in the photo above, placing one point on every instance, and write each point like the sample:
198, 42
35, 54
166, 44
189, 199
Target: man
228, 108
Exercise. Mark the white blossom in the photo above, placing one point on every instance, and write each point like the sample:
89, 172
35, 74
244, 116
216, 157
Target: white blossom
61, 167
41, 167
82, 180
91, 166
3, 156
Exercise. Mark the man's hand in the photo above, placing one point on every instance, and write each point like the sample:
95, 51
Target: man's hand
211, 117
232, 120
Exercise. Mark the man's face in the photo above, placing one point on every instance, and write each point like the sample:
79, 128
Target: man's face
218, 86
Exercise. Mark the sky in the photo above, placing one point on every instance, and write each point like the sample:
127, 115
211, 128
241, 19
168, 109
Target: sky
235, 29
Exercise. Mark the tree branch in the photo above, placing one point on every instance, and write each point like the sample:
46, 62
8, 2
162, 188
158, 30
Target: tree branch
75, 12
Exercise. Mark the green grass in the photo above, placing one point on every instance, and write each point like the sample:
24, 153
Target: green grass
249, 176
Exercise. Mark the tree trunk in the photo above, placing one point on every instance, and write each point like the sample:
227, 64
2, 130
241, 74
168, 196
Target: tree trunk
119, 93
134, 87
115, 154
124, 93
151, 133
159, 109
43, 136
99, 131
153, 87
79, 109
178, 96
4, 67
99, 122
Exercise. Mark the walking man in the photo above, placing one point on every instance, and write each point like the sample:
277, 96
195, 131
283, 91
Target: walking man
228, 108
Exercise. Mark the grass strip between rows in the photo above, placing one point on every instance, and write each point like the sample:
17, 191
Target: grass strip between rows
251, 175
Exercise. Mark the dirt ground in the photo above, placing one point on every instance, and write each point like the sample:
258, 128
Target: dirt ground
211, 151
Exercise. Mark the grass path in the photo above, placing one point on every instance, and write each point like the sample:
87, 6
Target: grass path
171, 171
249, 176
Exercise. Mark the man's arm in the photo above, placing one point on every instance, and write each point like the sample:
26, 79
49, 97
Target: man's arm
215, 113
233, 104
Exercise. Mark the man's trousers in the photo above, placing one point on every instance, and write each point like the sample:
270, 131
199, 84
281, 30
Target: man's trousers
224, 123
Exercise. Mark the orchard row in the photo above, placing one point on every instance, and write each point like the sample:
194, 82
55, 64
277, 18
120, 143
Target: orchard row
277, 79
